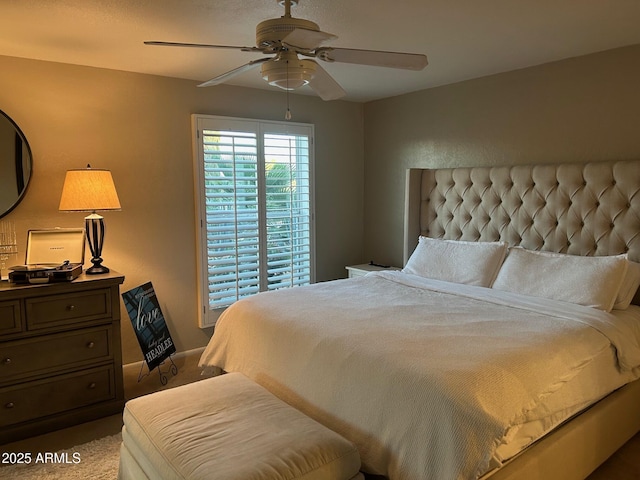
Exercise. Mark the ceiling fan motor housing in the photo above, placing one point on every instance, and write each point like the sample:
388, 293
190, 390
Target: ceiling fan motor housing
269, 33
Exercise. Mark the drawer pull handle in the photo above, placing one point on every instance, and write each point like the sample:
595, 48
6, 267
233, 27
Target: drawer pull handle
71, 308
6, 361
91, 345
9, 405
92, 386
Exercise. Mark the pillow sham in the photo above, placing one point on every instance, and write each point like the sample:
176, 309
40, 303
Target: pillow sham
629, 287
471, 263
589, 281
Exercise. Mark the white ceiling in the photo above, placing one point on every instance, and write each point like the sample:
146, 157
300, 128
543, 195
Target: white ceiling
463, 39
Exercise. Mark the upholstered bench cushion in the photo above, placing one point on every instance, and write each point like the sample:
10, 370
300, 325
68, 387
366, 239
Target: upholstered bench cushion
228, 427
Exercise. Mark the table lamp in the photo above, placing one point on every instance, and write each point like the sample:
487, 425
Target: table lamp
90, 190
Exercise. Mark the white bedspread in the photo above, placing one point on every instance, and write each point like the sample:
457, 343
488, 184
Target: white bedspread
427, 378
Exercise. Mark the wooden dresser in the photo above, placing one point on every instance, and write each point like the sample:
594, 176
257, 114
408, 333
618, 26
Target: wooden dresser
60, 354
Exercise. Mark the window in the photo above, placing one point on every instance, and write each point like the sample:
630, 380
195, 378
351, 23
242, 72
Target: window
254, 208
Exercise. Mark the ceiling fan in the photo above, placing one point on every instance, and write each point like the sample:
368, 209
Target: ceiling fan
287, 37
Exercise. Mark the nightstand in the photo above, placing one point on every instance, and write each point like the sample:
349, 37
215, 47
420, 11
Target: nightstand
60, 354
364, 268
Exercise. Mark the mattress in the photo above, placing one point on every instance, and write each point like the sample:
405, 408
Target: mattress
431, 380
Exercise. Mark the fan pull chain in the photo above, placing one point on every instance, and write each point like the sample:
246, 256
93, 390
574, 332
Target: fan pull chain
287, 115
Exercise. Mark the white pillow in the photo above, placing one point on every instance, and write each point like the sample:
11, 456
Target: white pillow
589, 281
629, 287
471, 263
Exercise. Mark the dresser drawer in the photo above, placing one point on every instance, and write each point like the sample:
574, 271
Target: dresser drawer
10, 318
58, 310
54, 352
54, 395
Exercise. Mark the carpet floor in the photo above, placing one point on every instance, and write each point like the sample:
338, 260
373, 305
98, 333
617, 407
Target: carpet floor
95, 460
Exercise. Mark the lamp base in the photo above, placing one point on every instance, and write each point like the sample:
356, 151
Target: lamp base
96, 269
94, 227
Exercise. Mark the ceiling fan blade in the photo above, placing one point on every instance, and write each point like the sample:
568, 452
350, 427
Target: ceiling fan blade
324, 85
303, 39
376, 58
200, 45
232, 73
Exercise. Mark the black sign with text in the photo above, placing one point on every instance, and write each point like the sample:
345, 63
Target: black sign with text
149, 324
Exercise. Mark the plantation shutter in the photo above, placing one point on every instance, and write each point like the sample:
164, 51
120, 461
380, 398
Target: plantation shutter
254, 181
288, 210
232, 228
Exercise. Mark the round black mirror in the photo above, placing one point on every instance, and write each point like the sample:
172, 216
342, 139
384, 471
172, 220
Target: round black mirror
15, 164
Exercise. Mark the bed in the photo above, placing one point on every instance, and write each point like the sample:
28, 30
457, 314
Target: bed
479, 359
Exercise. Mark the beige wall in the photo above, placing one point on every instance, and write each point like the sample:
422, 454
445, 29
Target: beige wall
580, 109
138, 126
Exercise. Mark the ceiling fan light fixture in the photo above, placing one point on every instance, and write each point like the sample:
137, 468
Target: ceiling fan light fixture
295, 74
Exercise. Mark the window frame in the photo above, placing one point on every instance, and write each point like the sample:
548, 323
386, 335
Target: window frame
208, 316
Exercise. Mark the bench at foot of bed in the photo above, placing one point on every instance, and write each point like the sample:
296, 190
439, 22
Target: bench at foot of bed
228, 428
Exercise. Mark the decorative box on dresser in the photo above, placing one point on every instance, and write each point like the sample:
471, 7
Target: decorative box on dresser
60, 354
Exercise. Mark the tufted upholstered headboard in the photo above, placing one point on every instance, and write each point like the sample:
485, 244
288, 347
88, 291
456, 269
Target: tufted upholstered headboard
580, 209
